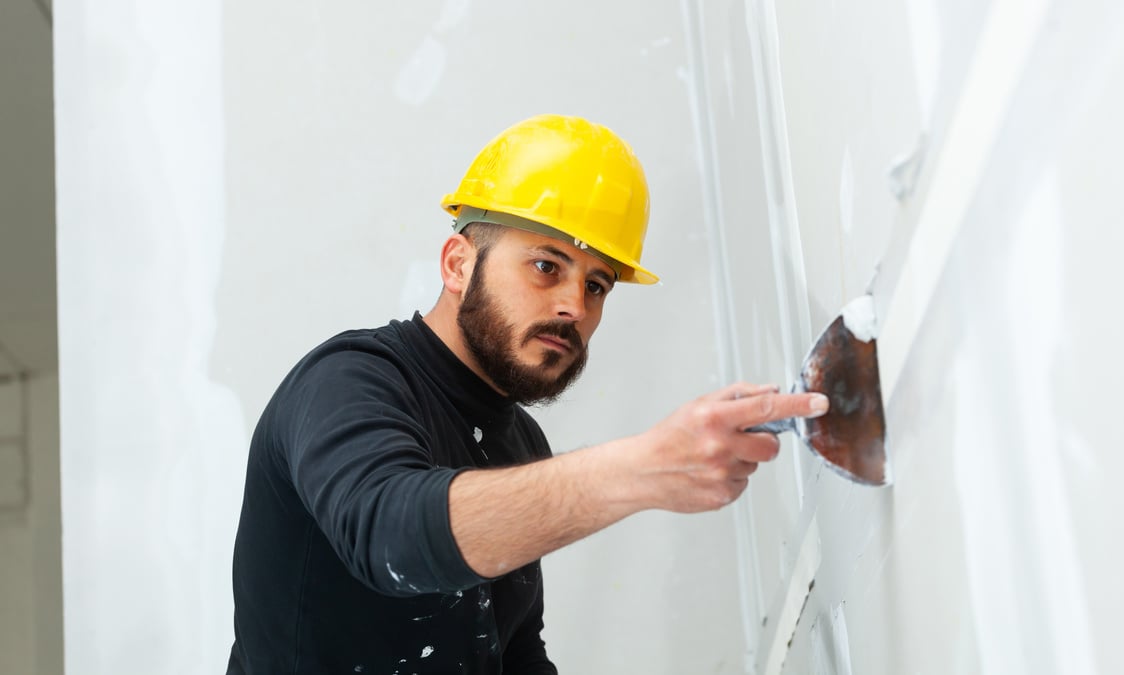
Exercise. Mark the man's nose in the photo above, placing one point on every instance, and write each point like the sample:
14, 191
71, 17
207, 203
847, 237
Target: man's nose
570, 301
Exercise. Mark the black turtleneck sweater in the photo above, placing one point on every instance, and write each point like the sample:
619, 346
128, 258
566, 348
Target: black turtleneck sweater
344, 560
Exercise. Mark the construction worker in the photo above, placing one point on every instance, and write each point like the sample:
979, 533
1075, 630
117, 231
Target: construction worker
398, 498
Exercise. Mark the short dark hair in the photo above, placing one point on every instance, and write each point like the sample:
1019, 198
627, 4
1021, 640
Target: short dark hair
483, 236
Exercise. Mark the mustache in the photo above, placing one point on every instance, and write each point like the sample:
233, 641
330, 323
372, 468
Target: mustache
563, 330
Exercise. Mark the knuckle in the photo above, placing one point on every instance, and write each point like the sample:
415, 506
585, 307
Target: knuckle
705, 414
766, 403
717, 475
712, 450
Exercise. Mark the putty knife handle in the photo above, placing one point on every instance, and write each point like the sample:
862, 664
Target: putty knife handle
774, 427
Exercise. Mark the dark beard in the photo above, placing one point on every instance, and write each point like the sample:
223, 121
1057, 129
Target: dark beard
490, 339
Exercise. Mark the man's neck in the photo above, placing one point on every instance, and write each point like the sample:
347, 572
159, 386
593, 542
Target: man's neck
442, 320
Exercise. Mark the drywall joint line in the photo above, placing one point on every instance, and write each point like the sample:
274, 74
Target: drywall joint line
1001, 55
797, 591
726, 337
784, 228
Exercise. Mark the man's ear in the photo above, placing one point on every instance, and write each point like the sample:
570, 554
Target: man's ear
458, 256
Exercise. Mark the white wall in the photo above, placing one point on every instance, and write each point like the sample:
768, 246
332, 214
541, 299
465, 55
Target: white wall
994, 275
239, 181
276, 170
152, 447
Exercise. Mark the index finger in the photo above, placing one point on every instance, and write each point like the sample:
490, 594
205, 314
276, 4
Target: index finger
739, 390
769, 407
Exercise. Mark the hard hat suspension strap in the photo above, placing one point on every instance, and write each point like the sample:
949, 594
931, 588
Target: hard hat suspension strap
466, 215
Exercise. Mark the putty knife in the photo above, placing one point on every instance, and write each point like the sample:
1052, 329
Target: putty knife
843, 365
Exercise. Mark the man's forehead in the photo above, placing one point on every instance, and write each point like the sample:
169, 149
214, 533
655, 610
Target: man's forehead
542, 242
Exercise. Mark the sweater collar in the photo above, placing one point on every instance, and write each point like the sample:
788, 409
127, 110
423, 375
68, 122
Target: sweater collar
479, 402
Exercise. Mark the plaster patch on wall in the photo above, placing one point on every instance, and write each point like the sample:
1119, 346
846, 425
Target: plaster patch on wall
795, 598
453, 12
418, 79
420, 76
905, 169
831, 646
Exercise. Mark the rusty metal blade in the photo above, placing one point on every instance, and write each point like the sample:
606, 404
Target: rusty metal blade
851, 437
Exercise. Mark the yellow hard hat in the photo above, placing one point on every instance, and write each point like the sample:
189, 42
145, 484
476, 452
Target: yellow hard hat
578, 179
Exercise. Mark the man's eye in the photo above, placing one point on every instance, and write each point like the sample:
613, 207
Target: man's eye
545, 266
595, 288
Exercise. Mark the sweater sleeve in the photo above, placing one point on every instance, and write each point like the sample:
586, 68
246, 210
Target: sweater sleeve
359, 459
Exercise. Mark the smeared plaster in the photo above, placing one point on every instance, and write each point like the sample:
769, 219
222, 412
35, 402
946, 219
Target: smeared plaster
905, 169
453, 12
419, 77
831, 648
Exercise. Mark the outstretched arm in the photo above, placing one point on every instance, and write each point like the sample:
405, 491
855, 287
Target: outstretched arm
698, 459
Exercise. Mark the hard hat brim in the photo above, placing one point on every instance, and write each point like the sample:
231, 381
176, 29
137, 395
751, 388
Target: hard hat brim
630, 271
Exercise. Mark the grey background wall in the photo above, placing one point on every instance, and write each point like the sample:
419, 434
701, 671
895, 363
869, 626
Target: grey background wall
237, 182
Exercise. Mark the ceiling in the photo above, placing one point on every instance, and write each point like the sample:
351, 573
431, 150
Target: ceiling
28, 324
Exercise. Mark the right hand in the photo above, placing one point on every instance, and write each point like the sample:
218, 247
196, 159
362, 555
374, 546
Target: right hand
700, 459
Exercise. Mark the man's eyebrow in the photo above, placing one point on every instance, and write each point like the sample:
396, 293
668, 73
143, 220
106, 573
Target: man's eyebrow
609, 279
557, 252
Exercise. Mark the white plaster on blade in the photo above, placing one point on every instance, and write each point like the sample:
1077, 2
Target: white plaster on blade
859, 318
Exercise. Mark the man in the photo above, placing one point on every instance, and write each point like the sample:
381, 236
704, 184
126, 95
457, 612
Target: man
398, 499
